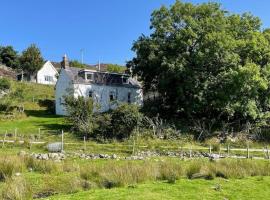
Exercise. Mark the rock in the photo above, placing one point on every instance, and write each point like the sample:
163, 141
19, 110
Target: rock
44, 157
17, 174
114, 156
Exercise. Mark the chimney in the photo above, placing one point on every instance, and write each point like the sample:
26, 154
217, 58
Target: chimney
65, 63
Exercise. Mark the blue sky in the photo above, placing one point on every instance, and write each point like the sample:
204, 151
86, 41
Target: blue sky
105, 29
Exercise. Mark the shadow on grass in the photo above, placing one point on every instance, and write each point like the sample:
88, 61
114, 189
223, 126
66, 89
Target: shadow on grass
41, 113
52, 123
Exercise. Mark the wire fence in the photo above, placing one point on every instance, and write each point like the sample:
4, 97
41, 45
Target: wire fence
44, 137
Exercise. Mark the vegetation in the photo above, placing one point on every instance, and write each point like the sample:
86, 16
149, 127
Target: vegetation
76, 63
80, 112
4, 84
206, 64
31, 59
115, 68
48, 178
9, 57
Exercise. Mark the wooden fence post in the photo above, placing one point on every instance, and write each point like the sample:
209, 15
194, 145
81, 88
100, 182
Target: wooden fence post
62, 140
247, 151
4, 140
190, 152
38, 133
267, 152
84, 142
210, 149
15, 133
228, 150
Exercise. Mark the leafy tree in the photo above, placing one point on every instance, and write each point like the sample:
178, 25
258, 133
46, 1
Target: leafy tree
116, 68
205, 62
76, 63
31, 59
80, 111
9, 57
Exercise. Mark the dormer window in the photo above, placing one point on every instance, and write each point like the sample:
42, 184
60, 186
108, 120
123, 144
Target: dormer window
124, 80
89, 76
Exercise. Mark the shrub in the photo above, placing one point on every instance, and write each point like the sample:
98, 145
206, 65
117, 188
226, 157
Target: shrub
124, 120
103, 126
4, 84
80, 112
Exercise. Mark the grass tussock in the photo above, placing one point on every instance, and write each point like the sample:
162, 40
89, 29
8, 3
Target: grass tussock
42, 166
16, 189
9, 166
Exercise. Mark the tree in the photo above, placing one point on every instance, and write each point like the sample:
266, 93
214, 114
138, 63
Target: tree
31, 59
80, 111
116, 68
9, 57
205, 62
76, 63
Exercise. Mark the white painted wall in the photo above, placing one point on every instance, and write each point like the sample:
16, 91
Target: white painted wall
63, 87
101, 94
47, 70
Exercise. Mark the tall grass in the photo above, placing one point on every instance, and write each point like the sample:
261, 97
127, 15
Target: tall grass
16, 189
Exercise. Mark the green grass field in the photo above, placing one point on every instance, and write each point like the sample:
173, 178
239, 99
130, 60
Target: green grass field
254, 188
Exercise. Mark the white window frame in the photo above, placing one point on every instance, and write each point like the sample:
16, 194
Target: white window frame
48, 78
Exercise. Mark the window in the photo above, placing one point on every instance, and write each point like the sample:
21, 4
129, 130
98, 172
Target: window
49, 78
112, 96
129, 97
89, 76
90, 94
62, 101
125, 80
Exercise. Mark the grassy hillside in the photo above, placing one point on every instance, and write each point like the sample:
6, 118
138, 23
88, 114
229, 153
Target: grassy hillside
38, 102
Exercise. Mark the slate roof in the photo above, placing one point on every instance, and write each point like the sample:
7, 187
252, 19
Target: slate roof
101, 78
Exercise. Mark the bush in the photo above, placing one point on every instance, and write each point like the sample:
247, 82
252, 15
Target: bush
103, 126
80, 111
124, 120
4, 84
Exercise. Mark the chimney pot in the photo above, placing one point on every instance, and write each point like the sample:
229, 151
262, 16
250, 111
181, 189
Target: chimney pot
65, 62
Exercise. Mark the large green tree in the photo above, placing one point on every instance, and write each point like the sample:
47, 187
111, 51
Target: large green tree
9, 57
205, 62
31, 59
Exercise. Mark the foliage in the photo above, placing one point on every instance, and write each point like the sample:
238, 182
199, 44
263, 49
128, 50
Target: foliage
206, 62
9, 57
76, 63
4, 84
115, 68
31, 59
80, 111
125, 119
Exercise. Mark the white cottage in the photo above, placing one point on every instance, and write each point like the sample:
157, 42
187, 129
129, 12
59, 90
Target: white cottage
46, 75
106, 89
